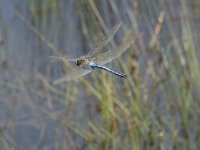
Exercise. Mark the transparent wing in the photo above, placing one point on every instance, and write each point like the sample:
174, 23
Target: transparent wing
74, 74
105, 40
63, 58
108, 56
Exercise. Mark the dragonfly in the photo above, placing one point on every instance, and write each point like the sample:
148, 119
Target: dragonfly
95, 60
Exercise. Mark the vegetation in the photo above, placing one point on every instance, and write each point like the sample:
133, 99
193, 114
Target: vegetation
155, 107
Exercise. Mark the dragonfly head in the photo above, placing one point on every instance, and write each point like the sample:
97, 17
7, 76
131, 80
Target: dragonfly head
79, 62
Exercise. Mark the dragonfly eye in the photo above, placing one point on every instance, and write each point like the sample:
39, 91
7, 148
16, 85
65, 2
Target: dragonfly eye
79, 62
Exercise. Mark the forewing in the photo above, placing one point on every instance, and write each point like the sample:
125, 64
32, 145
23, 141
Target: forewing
62, 58
105, 40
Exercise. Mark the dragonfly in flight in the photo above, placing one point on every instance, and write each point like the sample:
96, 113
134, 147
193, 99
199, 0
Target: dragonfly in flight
85, 64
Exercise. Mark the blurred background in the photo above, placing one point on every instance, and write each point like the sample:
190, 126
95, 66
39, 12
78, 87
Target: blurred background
155, 107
